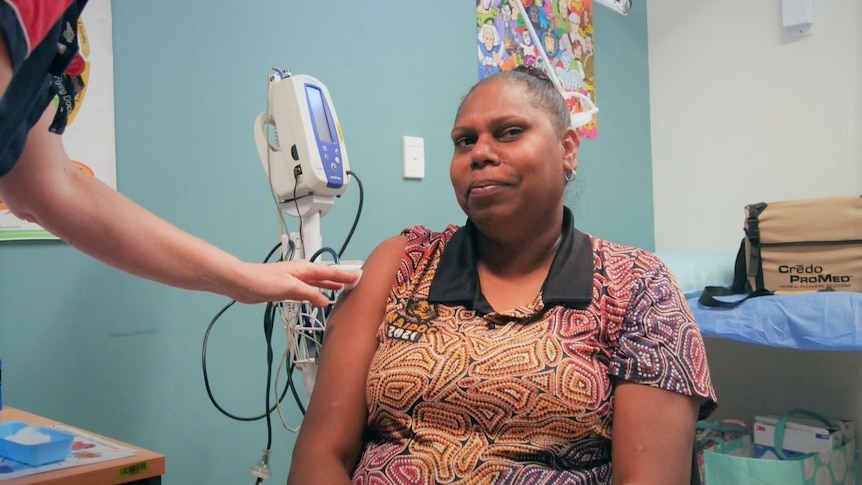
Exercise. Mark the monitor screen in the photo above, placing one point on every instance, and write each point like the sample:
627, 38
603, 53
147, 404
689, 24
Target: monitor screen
318, 113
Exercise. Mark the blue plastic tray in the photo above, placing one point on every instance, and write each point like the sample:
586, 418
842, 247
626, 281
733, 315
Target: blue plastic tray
57, 448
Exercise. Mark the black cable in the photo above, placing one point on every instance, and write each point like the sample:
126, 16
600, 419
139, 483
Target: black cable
269, 348
293, 388
297, 171
336, 258
206, 375
326, 310
291, 383
268, 324
322, 250
358, 213
276, 248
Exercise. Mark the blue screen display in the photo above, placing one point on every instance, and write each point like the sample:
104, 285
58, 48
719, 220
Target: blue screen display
318, 113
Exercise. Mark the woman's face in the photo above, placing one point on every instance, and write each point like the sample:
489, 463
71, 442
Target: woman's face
563, 5
510, 158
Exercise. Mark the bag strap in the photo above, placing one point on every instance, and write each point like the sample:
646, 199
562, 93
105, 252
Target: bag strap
782, 424
739, 286
718, 442
694, 477
724, 425
740, 271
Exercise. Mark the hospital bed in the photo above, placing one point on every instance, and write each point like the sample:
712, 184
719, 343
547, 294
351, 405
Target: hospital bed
804, 321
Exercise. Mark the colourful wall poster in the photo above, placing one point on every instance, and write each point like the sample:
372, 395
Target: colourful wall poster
89, 135
565, 29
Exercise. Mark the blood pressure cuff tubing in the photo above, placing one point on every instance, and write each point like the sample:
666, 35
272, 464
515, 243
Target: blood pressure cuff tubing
42, 40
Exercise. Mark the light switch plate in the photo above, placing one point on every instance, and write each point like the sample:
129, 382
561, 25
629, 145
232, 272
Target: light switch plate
413, 157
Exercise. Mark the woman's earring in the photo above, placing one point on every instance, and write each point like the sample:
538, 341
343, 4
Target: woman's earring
569, 176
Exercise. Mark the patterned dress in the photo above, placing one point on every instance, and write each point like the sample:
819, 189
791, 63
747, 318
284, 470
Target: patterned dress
461, 394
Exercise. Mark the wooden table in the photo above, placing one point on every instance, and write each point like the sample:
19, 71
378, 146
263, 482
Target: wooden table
145, 468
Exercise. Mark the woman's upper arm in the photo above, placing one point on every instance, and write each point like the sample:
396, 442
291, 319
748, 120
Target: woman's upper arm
659, 389
652, 435
39, 174
337, 408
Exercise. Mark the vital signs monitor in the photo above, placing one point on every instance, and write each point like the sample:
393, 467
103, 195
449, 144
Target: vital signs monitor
307, 155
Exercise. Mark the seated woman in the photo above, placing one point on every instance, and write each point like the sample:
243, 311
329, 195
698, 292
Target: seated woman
512, 350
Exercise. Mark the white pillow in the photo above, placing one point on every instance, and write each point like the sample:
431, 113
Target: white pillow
694, 270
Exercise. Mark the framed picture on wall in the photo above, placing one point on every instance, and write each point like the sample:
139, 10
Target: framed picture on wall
564, 29
89, 135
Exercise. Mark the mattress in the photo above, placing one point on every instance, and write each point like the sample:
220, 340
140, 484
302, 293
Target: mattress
807, 321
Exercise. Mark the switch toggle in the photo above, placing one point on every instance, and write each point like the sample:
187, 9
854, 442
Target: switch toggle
413, 157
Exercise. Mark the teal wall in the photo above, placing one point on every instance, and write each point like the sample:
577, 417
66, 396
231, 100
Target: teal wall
86, 344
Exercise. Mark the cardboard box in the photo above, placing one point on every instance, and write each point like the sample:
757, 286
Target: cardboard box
801, 436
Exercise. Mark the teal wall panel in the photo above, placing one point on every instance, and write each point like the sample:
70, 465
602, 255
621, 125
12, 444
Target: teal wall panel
86, 344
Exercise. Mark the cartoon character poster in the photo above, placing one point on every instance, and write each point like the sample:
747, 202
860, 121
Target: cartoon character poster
565, 29
89, 134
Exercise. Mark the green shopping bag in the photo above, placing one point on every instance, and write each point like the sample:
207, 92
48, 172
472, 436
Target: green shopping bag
710, 434
732, 463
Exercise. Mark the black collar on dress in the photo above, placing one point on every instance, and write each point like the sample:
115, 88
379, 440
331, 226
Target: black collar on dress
569, 281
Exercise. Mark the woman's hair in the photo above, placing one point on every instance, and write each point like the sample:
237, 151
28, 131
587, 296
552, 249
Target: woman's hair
539, 86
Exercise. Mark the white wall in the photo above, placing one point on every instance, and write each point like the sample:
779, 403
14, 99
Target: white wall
859, 96
742, 113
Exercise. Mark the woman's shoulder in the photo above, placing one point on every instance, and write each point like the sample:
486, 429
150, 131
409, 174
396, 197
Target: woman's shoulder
413, 240
639, 260
423, 236
422, 249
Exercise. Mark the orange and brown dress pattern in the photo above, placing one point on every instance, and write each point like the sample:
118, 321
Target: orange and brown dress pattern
521, 397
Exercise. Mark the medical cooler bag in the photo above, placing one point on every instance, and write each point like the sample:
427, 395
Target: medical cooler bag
797, 246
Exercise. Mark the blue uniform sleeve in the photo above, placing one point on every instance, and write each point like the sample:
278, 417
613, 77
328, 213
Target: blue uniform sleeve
42, 40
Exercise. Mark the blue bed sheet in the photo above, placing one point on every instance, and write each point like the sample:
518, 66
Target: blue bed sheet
807, 321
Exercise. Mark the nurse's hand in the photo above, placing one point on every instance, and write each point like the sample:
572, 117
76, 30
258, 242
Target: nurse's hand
297, 280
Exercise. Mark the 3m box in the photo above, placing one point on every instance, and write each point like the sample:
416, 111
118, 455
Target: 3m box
801, 436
